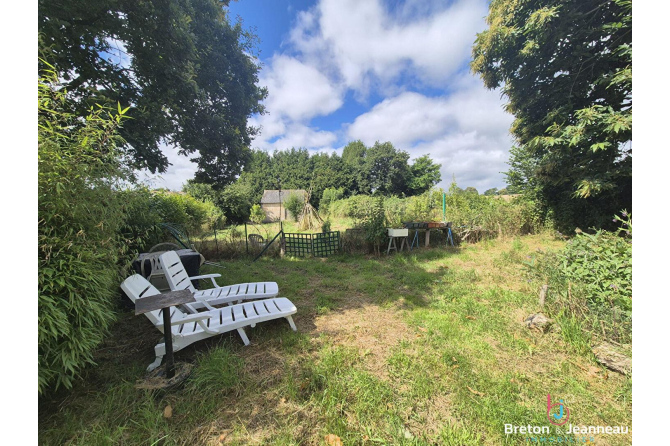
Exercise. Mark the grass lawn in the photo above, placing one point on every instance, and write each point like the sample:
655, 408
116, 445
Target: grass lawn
419, 348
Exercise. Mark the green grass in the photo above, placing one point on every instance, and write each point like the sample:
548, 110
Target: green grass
426, 347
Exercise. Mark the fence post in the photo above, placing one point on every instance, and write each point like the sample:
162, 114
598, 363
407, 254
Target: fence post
216, 242
282, 241
246, 237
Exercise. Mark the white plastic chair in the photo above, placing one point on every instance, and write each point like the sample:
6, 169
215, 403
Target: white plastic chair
188, 328
178, 279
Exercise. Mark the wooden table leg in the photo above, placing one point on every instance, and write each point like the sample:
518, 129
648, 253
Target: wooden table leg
427, 237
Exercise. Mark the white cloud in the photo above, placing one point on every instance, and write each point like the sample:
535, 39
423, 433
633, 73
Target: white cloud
473, 159
466, 132
340, 47
363, 39
181, 169
411, 117
298, 91
299, 135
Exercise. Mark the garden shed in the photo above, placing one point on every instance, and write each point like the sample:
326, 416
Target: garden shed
273, 201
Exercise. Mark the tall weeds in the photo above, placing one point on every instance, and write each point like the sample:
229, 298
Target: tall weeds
488, 216
591, 281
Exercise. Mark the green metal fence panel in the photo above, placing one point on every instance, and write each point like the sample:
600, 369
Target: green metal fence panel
298, 245
318, 245
326, 243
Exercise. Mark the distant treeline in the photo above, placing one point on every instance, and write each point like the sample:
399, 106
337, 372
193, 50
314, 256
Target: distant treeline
380, 170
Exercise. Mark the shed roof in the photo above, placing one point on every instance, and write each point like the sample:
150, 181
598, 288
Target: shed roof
272, 196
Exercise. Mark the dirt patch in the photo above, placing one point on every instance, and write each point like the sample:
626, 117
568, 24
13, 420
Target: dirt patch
371, 329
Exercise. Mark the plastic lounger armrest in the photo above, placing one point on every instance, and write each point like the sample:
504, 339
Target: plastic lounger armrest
198, 319
207, 276
191, 318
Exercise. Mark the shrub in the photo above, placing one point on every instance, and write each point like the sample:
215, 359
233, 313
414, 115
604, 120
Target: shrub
329, 196
184, 210
591, 280
142, 220
257, 214
294, 203
80, 218
373, 223
237, 202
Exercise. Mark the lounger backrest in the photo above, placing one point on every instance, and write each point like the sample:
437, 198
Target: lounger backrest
175, 273
136, 287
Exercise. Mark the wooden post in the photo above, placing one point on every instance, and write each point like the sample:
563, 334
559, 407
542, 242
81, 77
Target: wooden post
427, 237
282, 240
246, 237
216, 242
543, 294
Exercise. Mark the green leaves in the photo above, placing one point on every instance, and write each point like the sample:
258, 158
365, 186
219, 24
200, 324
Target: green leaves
184, 67
79, 267
568, 80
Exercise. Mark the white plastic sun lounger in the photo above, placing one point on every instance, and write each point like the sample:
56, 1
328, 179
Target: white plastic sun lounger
188, 328
178, 279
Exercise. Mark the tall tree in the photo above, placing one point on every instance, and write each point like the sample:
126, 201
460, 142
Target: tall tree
566, 69
353, 155
387, 169
329, 171
424, 174
182, 66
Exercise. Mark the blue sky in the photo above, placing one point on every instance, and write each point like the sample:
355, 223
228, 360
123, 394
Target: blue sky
341, 70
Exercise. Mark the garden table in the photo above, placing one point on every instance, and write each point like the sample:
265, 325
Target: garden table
164, 302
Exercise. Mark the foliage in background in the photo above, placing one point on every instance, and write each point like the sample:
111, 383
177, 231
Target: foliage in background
294, 203
380, 169
492, 215
330, 194
189, 213
257, 214
195, 88
146, 209
566, 69
373, 222
424, 174
237, 202
233, 201
592, 280
79, 224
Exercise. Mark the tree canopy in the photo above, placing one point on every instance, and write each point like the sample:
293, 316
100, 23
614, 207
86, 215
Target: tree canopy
381, 169
566, 68
184, 69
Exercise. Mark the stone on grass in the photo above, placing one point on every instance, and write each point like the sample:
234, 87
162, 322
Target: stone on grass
613, 357
538, 321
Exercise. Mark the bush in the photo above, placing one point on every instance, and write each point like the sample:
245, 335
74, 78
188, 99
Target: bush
373, 223
294, 203
184, 210
80, 217
142, 220
490, 216
237, 202
257, 214
329, 196
591, 280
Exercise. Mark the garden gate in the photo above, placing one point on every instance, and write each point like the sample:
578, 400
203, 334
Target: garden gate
318, 245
